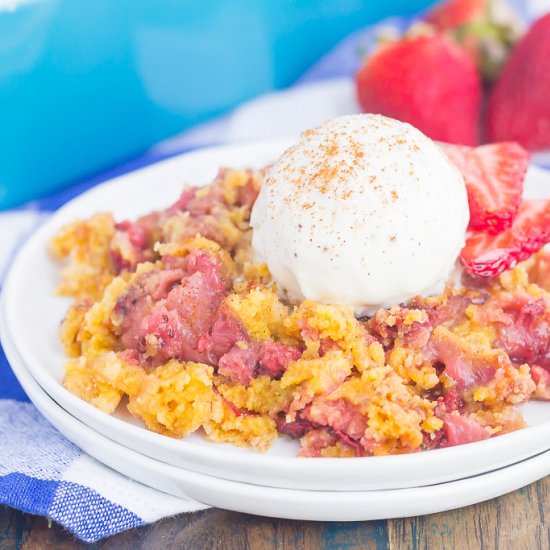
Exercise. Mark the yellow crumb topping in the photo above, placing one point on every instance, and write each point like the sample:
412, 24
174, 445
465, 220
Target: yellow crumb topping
85, 244
261, 312
246, 430
175, 399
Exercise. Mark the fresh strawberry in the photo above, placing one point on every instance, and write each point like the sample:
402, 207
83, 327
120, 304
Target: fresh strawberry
494, 177
487, 255
519, 104
455, 13
486, 29
427, 81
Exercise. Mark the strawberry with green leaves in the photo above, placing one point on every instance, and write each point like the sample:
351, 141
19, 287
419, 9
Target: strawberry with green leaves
486, 29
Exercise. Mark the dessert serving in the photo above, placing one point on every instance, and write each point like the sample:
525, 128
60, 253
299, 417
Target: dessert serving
372, 292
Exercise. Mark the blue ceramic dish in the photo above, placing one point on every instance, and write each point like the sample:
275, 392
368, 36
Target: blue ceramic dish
85, 85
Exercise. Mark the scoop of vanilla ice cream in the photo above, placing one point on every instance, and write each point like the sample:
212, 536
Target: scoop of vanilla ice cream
364, 211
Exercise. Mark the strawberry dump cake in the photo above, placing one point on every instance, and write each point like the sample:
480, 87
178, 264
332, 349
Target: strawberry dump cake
336, 316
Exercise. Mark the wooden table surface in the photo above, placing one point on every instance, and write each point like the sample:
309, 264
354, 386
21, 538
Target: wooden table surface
519, 520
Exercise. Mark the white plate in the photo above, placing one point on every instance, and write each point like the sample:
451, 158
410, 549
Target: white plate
32, 314
274, 502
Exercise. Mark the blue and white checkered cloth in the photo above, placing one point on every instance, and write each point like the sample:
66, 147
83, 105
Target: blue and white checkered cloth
43, 473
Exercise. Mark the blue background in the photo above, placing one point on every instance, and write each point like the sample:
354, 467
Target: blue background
87, 84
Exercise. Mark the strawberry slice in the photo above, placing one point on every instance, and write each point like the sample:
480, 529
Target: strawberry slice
487, 255
494, 177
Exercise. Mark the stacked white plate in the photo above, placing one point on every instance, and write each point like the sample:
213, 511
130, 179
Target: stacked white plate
276, 483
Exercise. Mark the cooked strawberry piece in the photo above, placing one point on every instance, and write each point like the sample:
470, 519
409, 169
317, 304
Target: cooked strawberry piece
136, 233
450, 311
521, 324
239, 364
172, 327
165, 335
247, 360
226, 331
212, 266
175, 313
340, 415
494, 177
296, 428
449, 403
434, 440
187, 195
275, 357
461, 429
541, 377
130, 244
315, 440
465, 369
200, 204
138, 301
525, 335
195, 302
118, 262
360, 451
487, 255
388, 325
470, 368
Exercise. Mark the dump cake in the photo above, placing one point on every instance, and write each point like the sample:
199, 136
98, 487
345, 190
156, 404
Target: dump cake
176, 317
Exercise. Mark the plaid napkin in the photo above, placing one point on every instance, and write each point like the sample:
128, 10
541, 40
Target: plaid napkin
43, 473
